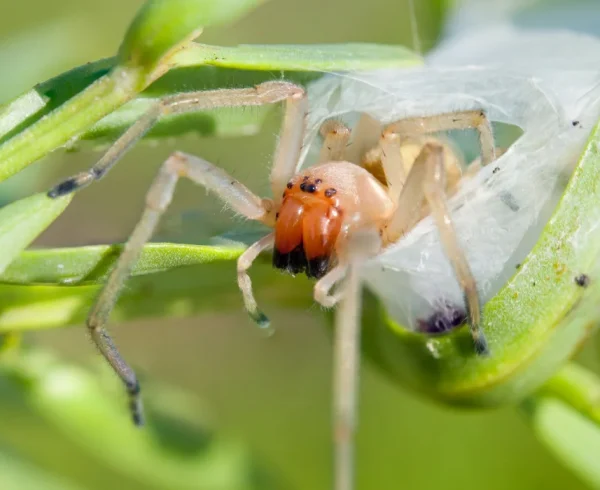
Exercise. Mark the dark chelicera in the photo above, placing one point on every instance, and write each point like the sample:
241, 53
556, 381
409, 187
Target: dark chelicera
446, 319
295, 262
317, 267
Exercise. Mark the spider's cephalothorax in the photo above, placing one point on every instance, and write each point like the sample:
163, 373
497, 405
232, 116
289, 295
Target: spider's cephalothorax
318, 210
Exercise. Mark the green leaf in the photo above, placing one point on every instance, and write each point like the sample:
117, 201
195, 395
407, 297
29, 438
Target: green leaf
89, 265
163, 26
30, 107
309, 57
15, 112
22, 221
48, 129
179, 292
94, 102
178, 448
16, 474
578, 387
570, 435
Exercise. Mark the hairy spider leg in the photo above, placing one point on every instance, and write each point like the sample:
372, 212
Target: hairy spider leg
426, 182
476, 119
158, 198
263, 94
361, 245
245, 284
336, 136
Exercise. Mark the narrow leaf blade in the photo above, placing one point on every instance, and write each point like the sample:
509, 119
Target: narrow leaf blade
22, 221
161, 26
572, 437
308, 57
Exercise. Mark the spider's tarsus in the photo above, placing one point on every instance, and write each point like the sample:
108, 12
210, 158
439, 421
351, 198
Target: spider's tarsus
480, 343
63, 189
263, 322
138, 417
135, 404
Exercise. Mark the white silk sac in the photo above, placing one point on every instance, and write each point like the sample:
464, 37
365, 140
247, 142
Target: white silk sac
546, 82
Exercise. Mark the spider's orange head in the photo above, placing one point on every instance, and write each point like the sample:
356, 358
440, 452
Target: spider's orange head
308, 224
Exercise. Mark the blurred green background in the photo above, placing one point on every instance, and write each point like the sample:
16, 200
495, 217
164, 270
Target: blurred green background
272, 394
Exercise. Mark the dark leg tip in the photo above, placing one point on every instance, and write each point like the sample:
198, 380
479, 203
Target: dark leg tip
481, 345
137, 412
63, 189
263, 323
135, 403
138, 419
262, 320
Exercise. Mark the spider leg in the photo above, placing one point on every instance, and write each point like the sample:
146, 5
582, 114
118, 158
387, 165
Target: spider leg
335, 139
365, 136
392, 163
245, 284
158, 198
426, 181
361, 245
445, 122
323, 287
265, 93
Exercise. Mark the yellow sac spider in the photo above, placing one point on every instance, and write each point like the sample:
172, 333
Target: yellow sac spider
326, 219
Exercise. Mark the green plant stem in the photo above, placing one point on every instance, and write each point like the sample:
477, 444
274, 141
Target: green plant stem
577, 387
59, 126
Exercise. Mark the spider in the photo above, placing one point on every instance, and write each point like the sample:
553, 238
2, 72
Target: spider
327, 219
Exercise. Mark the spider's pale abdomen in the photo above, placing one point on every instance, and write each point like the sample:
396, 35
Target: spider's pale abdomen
315, 205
